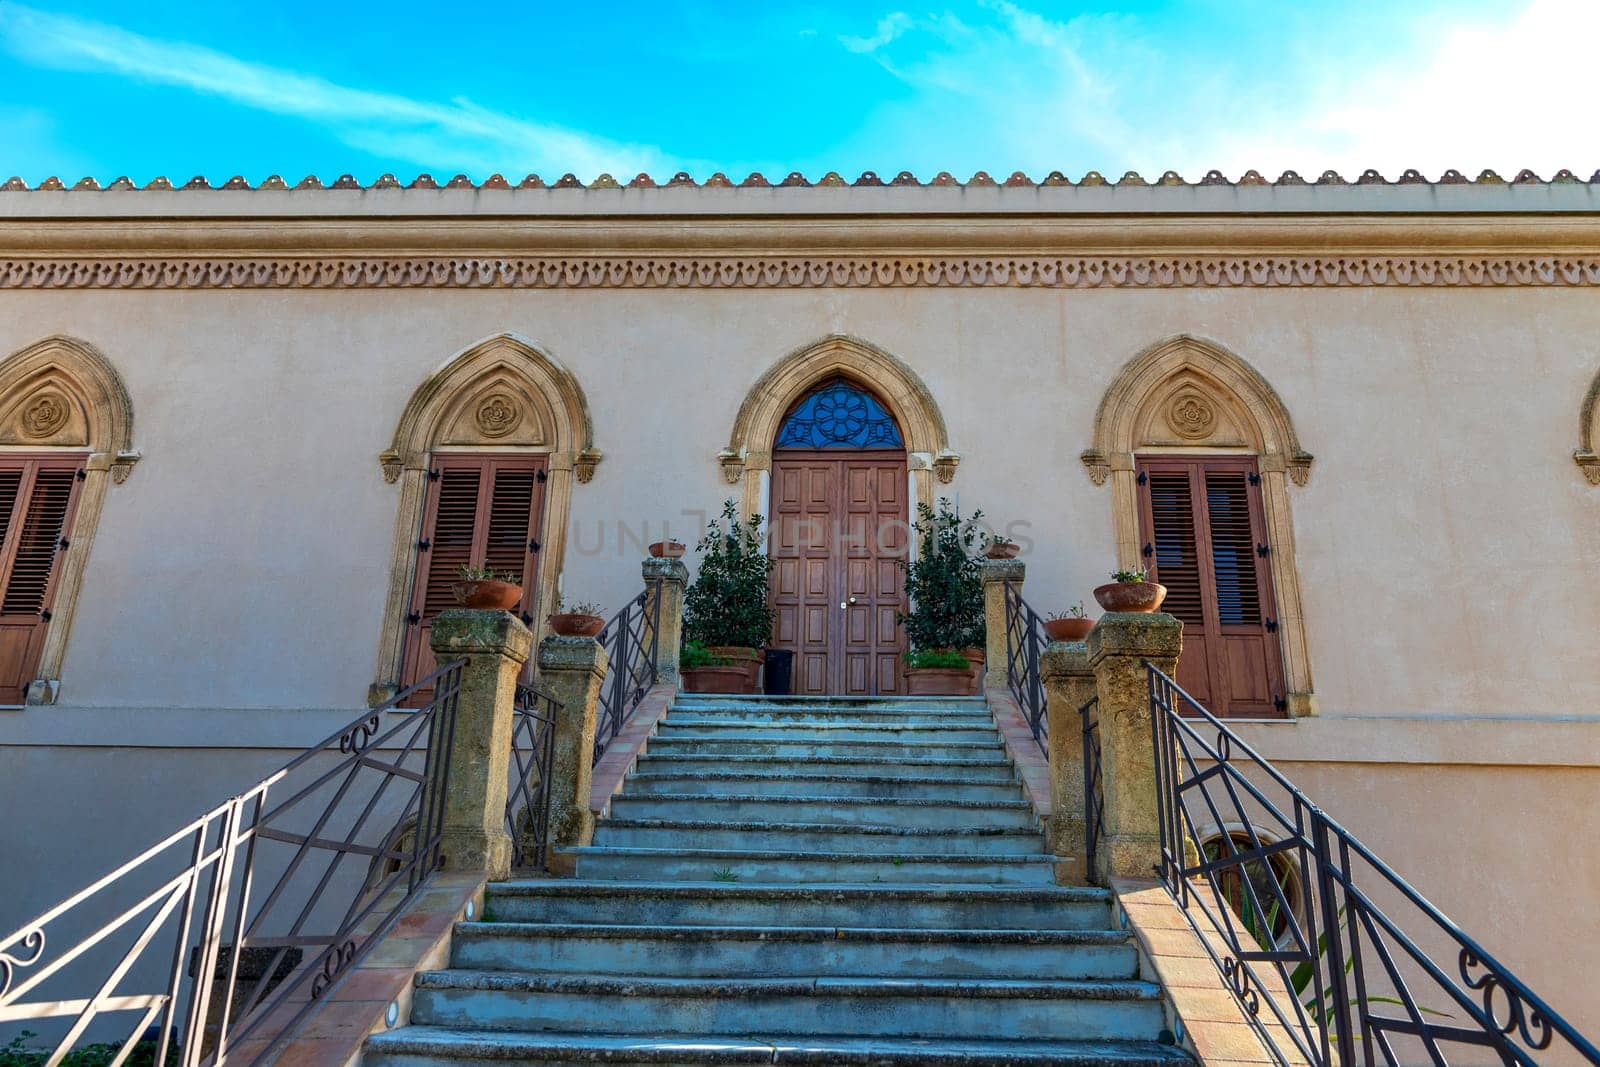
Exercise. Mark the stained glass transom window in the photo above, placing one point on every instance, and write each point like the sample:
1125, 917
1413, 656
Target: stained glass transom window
839, 415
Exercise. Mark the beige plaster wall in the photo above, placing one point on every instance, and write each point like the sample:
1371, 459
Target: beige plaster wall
1444, 525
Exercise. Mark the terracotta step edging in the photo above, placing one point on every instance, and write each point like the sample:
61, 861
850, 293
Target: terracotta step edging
1032, 765
631, 742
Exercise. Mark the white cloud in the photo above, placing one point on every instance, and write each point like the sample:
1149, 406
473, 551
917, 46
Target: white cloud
1106, 92
455, 135
890, 26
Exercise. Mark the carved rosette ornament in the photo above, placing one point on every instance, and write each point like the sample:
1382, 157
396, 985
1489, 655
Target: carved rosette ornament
1191, 416
498, 414
46, 415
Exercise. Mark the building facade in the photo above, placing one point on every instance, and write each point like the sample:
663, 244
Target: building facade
247, 436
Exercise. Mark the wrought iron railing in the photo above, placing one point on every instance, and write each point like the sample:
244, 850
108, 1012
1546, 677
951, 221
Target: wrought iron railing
1337, 960
1094, 799
533, 736
1025, 641
240, 921
630, 640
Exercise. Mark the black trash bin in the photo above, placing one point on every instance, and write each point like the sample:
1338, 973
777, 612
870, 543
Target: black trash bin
780, 666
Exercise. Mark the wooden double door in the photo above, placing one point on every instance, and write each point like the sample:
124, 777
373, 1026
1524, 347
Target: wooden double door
1205, 539
839, 529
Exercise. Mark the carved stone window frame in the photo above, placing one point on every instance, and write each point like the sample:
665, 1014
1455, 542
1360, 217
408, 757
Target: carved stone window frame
61, 395
747, 459
1191, 396
502, 393
1585, 456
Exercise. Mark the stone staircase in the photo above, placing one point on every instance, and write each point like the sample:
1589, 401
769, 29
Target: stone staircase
798, 881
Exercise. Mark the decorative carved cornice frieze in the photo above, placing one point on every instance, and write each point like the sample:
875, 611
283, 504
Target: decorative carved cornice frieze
803, 272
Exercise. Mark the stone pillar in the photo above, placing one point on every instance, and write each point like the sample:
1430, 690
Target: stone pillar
667, 578
996, 573
495, 645
1069, 684
1118, 647
571, 670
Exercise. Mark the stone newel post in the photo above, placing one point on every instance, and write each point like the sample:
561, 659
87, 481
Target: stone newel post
495, 645
667, 578
1068, 686
571, 669
1118, 647
996, 573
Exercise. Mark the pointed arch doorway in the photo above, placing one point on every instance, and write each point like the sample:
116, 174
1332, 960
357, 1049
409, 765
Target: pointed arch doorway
839, 528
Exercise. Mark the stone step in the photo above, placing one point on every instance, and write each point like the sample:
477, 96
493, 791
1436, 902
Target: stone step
820, 716
778, 951
432, 1046
913, 731
830, 703
865, 751
809, 867
778, 783
990, 767
929, 1008
749, 903
883, 811
818, 837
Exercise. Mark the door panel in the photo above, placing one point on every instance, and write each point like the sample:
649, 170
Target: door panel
841, 517
1205, 540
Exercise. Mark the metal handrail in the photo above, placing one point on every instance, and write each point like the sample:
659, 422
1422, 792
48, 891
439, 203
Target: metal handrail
1025, 641
1094, 800
1306, 923
533, 736
630, 639
245, 917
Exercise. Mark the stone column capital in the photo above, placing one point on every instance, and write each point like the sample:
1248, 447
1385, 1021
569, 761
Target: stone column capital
666, 570
461, 632
1141, 635
575, 655
1002, 570
1064, 659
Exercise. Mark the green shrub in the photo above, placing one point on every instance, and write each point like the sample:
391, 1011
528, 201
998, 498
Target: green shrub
727, 602
695, 654
944, 581
937, 660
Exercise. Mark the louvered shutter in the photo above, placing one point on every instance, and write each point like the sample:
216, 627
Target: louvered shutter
37, 500
1205, 540
482, 511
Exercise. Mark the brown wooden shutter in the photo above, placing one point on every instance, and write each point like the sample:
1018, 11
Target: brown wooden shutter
38, 496
1205, 540
481, 511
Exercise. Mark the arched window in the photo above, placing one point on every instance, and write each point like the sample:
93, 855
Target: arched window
839, 414
66, 429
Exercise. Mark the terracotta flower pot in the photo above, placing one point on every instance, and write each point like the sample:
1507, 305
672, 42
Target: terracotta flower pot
730, 679
745, 658
939, 681
483, 593
1068, 629
668, 549
1130, 596
1006, 550
572, 624
976, 657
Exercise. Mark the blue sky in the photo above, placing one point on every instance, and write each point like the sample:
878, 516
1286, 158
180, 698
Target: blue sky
184, 88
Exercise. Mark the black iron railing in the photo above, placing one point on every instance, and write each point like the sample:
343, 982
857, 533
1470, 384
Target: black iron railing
1337, 960
1094, 800
1025, 640
533, 737
241, 920
630, 640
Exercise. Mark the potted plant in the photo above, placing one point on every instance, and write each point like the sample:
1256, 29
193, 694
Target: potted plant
1001, 547
1073, 624
582, 619
946, 592
703, 672
725, 608
671, 548
938, 674
487, 588
1129, 591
